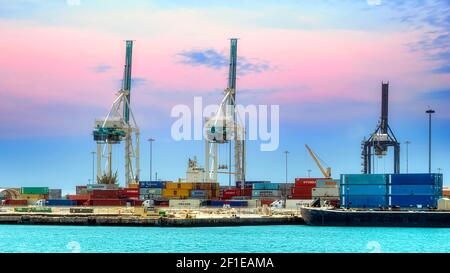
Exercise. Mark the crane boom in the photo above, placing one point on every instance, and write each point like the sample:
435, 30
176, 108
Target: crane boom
326, 172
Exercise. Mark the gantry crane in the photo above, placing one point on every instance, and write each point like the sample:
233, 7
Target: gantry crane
382, 138
226, 127
118, 126
326, 172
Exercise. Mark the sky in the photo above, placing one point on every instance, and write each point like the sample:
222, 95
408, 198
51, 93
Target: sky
321, 61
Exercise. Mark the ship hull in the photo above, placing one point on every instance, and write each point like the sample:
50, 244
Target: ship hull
324, 217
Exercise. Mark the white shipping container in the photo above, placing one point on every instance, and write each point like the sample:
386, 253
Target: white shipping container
325, 192
185, 203
253, 203
295, 204
444, 204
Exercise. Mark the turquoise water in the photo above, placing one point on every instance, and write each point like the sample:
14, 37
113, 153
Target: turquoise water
291, 239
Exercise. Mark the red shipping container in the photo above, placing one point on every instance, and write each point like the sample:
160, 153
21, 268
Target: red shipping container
77, 197
107, 202
12, 202
105, 194
130, 191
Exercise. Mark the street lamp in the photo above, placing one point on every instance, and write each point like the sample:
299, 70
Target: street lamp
407, 155
429, 112
151, 156
286, 180
93, 166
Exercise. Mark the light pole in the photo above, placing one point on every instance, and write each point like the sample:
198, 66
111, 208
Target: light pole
309, 173
151, 156
286, 180
93, 166
429, 112
407, 155
439, 170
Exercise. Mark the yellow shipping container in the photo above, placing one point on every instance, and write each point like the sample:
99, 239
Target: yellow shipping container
177, 193
182, 185
133, 186
33, 196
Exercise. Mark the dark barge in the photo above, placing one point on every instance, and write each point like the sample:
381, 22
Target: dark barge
375, 218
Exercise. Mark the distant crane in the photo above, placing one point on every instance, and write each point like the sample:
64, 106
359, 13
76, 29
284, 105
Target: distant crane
382, 138
118, 126
326, 172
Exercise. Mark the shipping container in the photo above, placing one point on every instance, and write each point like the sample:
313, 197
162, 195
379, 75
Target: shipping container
179, 185
156, 191
363, 179
133, 185
358, 189
185, 203
311, 182
413, 190
327, 183
34, 196
416, 179
81, 189
60, 202
105, 194
415, 201
354, 201
199, 193
78, 197
231, 203
14, 202
54, 194
91, 187
175, 193
444, 204
266, 193
107, 202
446, 192
296, 204
152, 184
325, 192
265, 186
249, 184
34, 190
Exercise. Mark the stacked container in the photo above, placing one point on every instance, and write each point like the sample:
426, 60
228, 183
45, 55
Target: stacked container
302, 189
363, 190
54, 194
151, 189
415, 190
33, 194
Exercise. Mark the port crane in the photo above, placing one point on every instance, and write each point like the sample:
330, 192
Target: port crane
119, 125
382, 138
226, 127
326, 172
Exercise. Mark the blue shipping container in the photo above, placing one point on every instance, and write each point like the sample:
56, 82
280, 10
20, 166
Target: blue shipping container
152, 184
416, 179
233, 203
413, 190
413, 201
266, 186
352, 201
199, 193
364, 179
60, 202
364, 190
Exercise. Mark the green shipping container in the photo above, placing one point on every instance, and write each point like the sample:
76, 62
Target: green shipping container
34, 190
21, 209
363, 179
46, 210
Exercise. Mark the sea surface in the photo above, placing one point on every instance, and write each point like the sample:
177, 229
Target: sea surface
248, 239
